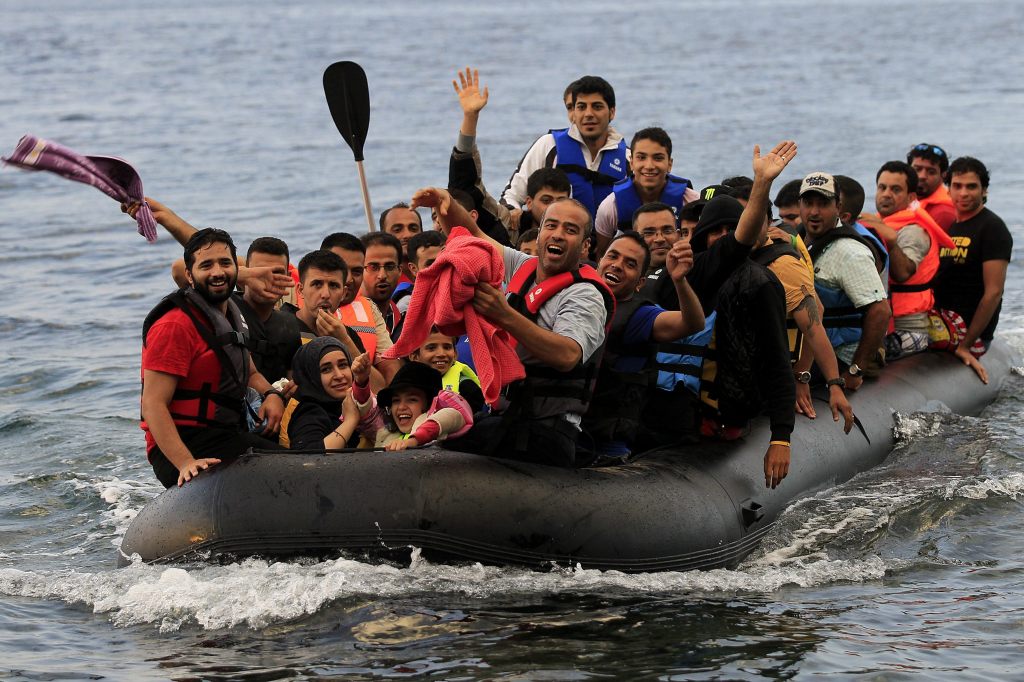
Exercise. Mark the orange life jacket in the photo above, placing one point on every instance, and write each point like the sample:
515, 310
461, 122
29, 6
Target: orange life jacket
940, 197
915, 294
358, 316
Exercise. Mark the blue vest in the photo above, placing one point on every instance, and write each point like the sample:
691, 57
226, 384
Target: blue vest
682, 361
879, 248
589, 187
842, 322
627, 200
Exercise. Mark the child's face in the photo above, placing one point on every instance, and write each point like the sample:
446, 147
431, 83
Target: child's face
407, 404
335, 374
529, 248
438, 352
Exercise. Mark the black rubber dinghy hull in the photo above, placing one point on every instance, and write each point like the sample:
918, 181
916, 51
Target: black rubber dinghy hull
674, 509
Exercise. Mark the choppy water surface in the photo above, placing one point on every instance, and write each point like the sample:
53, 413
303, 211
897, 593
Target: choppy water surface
912, 568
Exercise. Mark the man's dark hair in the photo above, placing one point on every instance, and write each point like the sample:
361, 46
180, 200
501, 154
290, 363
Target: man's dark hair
383, 239
268, 245
969, 164
400, 204
900, 167
554, 178
740, 186
423, 240
590, 85
528, 236
930, 152
789, 194
636, 239
464, 199
342, 240
206, 237
324, 260
851, 195
654, 134
568, 91
652, 207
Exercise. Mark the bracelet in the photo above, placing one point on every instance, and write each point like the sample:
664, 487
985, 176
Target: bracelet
784, 443
273, 391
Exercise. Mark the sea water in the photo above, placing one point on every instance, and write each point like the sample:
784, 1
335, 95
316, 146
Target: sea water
912, 569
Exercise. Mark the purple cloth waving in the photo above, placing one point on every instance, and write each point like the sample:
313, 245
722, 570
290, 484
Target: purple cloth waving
113, 176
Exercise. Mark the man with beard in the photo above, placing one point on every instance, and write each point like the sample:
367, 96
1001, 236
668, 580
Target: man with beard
592, 154
931, 162
196, 369
557, 311
846, 279
382, 269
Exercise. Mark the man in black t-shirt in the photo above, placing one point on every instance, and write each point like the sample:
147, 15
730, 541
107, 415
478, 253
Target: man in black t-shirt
972, 275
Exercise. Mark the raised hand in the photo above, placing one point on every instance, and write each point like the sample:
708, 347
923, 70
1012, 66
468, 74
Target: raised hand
679, 260
361, 369
468, 89
771, 165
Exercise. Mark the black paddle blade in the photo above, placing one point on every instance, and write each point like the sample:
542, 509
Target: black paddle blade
348, 98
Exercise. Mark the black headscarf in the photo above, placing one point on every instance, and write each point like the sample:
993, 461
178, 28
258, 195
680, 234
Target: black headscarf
306, 369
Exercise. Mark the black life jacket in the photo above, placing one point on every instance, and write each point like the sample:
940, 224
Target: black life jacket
271, 343
620, 396
547, 392
220, 404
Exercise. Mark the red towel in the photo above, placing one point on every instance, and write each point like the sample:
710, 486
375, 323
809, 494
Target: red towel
443, 296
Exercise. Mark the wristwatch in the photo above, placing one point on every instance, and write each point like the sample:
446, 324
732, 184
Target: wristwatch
838, 381
803, 377
855, 370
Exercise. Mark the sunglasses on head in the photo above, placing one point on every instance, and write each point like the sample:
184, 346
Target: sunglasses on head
923, 147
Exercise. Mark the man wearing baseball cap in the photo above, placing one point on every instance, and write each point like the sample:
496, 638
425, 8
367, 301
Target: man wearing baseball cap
846, 280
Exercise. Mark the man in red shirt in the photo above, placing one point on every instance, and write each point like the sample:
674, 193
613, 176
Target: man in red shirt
196, 369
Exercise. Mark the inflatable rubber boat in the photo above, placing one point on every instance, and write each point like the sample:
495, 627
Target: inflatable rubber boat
696, 507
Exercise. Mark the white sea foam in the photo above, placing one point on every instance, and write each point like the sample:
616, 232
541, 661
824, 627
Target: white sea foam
1010, 485
256, 593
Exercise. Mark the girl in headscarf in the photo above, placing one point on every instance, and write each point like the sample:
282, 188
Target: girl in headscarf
326, 415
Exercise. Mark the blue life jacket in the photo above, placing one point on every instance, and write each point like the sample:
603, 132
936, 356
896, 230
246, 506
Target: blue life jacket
842, 320
881, 253
589, 187
682, 361
401, 291
627, 200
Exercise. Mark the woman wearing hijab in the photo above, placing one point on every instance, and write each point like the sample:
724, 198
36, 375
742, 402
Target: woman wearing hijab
326, 416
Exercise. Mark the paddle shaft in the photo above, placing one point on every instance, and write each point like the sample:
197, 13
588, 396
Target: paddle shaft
366, 197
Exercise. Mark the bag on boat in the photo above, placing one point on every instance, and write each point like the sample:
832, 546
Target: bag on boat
946, 329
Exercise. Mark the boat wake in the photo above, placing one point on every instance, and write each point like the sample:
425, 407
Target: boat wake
883, 521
